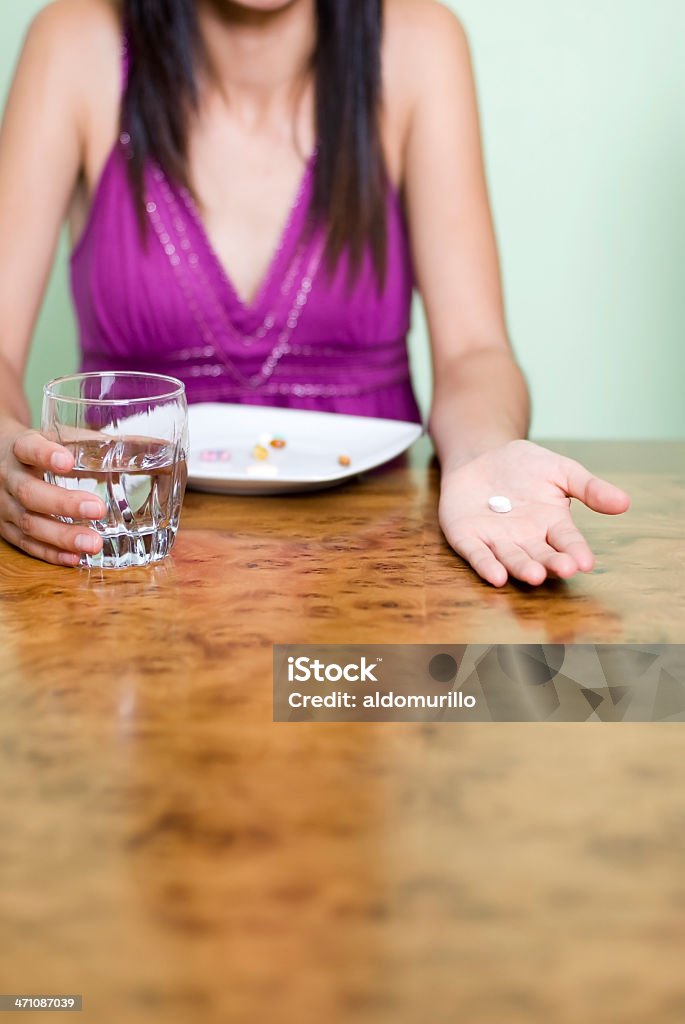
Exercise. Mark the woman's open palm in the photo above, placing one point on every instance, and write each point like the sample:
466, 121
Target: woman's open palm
538, 538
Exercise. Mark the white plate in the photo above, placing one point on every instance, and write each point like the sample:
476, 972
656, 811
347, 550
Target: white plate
223, 436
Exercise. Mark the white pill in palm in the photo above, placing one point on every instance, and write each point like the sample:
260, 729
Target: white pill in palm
499, 504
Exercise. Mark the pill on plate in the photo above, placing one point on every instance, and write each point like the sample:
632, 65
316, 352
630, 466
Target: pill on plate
215, 455
344, 460
277, 442
259, 452
499, 504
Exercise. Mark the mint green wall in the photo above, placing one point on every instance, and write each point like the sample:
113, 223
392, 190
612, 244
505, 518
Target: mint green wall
582, 107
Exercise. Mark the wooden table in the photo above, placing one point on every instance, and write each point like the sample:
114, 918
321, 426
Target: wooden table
171, 853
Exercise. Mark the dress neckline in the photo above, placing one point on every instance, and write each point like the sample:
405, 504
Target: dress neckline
248, 309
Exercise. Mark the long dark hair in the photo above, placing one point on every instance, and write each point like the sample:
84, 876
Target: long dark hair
349, 181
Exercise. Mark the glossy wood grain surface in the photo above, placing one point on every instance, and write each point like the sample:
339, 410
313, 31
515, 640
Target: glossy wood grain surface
174, 855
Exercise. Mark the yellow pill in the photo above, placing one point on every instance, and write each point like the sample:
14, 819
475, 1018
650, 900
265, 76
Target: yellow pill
259, 452
344, 460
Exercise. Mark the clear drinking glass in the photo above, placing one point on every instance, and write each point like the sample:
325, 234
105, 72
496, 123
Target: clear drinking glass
128, 433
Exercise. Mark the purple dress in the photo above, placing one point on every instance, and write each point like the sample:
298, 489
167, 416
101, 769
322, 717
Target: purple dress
168, 306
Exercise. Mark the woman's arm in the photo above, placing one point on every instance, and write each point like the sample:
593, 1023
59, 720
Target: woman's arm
42, 146
480, 410
480, 398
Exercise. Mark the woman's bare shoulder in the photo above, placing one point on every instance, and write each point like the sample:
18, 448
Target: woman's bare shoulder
79, 39
83, 22
420, 38
429, 18
426, 61
72, 52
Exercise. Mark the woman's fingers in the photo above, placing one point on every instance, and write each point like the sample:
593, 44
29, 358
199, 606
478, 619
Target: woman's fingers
37, 549
30, 505
518, 562
47, 530
33, 449
36, 495
50, 531
480, 557
565, 536
499, 558
560, 563
597, 494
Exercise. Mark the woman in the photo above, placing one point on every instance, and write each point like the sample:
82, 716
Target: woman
185, 261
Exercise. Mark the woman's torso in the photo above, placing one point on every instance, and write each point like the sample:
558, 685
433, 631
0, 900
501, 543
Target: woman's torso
296, 336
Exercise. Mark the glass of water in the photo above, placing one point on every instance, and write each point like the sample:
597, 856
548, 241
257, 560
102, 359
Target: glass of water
128, 433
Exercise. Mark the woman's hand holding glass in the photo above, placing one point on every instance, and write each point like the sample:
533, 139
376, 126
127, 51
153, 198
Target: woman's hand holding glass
538, 538
28, 503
